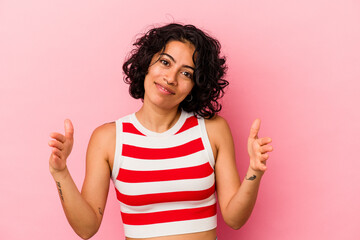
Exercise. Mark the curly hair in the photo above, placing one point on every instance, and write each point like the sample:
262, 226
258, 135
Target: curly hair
210, 67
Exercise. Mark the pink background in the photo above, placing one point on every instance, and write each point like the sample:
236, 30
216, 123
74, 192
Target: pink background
293, 64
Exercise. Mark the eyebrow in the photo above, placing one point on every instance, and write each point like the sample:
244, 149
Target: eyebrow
172, 59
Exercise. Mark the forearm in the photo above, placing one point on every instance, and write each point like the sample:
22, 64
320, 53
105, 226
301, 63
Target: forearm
242, 204
79, 213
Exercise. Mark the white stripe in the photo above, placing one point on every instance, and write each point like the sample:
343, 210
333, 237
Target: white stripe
206, 141
195, 159
161, 142
168, 206
165, 186
118, 149
171, 228
184, 115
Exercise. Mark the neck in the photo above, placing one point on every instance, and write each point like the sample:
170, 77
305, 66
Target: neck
157, 120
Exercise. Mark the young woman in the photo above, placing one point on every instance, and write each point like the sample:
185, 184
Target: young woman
169, 158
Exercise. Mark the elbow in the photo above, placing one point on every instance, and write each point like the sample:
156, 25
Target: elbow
236, 219
84, 237
236, 225
87, 233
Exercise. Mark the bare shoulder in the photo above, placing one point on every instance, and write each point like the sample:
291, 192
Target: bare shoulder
103, 138
105, 131
217, 127
218, 131
216, 123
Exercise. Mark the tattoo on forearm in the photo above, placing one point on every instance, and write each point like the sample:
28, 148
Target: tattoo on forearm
251, 178
60, 192
100, 211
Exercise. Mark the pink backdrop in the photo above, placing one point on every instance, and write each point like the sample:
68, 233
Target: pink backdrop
293, 64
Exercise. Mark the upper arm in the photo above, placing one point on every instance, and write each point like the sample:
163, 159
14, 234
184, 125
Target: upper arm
226, 174
97, 178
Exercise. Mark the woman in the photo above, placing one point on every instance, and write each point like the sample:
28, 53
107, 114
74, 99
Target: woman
165, 159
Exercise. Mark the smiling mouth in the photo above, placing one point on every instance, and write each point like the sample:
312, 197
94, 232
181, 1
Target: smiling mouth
164, 89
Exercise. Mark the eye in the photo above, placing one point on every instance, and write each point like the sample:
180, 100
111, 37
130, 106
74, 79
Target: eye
165, 62
187, 74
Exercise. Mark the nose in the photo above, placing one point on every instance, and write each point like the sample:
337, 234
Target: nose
170, 77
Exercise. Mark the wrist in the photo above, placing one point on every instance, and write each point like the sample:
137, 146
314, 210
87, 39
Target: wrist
59, 174
251, 173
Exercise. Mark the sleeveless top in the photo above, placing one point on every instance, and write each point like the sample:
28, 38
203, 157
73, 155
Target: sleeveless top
164, 182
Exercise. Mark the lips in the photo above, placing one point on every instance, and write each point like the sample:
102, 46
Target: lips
164, 90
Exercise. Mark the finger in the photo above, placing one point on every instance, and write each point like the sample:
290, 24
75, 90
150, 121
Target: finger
266, 148
264, 140
55, 158
57, 152
58, 136
254, 130
55, 162
263, 167
69, 129
264, 157
56, 144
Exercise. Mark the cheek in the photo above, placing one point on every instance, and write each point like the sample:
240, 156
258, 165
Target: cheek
154, 71
150, 76
186, 90
191, 86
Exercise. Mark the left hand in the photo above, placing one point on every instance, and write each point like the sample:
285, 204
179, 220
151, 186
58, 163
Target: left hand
258, 148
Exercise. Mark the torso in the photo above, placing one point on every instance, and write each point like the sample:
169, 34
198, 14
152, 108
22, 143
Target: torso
205, 235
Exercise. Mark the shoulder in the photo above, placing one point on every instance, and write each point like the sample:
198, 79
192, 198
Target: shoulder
105, 131
108, 130
102, 143
217, 123
104, 137
218, 130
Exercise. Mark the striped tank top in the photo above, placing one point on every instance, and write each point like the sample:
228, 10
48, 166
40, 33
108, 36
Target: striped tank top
164, 182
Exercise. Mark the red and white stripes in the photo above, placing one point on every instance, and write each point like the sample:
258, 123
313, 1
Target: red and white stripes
164, 181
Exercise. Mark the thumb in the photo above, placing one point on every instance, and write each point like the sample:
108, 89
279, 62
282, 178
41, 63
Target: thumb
69, 129
255, 127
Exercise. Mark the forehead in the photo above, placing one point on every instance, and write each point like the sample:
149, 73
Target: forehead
180, 50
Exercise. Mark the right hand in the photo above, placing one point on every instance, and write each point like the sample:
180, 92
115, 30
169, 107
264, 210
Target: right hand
258, 148
61, 147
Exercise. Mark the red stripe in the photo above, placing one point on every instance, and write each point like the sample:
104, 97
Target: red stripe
189, 123
168, 216
145, 199
163, 153
130, 128
131, 176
